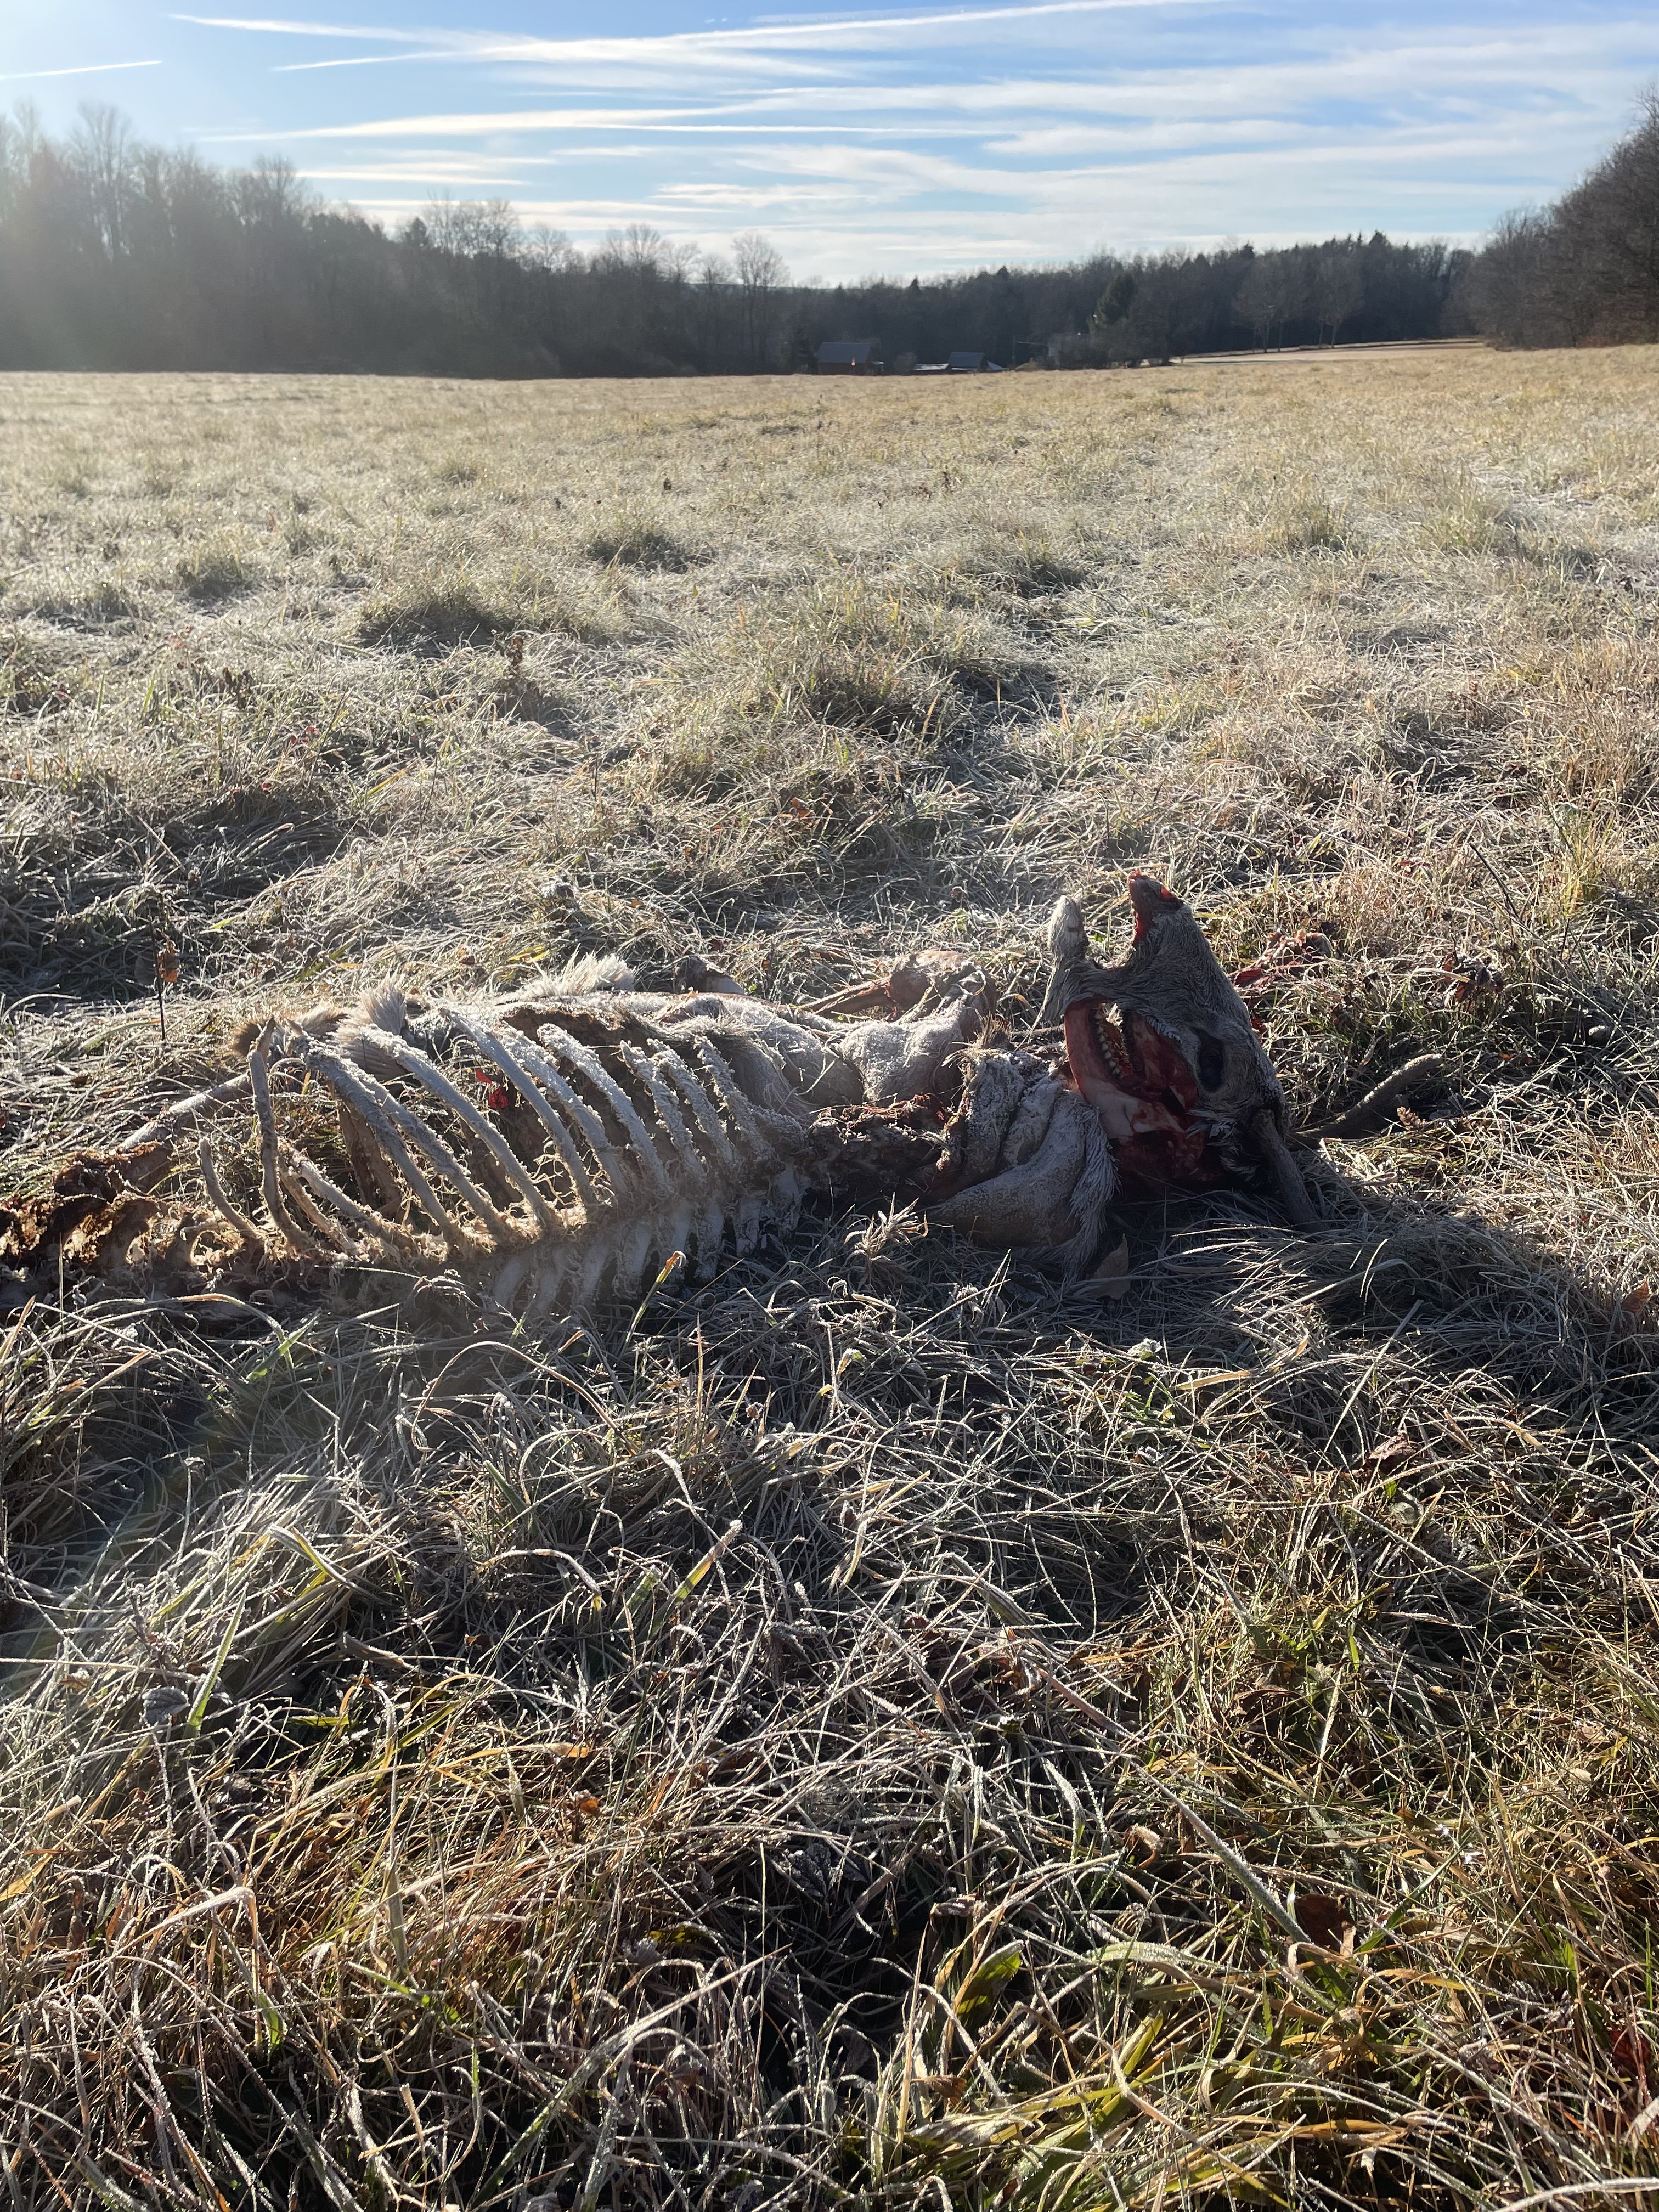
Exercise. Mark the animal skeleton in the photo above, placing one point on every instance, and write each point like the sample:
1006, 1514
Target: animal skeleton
565, 1145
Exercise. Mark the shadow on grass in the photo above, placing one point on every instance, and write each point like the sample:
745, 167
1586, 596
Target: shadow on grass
84, 905
877, 1651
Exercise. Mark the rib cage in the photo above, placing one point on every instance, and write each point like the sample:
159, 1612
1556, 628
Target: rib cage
559, 1152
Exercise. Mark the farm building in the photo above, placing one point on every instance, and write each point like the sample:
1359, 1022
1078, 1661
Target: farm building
960, 364
849, 357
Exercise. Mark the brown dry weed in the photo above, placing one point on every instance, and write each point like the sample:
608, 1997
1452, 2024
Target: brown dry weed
871, 1731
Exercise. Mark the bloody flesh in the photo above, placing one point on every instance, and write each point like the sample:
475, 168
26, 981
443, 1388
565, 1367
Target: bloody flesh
1146, 1097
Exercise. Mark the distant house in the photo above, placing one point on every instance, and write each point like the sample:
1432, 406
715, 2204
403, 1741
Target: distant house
960, 364
849, 357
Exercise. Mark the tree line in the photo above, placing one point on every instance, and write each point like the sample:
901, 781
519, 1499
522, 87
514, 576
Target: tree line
1584, 271
118, 255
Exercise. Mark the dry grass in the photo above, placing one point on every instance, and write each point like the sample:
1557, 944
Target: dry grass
872, 1733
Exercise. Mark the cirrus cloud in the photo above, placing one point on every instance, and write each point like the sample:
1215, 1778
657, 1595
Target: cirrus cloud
899, 139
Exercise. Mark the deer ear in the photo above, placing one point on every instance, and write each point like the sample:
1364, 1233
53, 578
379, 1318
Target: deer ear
1068, 952
1069, 940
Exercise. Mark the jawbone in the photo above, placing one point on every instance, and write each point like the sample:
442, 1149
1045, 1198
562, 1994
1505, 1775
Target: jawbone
1145, 1096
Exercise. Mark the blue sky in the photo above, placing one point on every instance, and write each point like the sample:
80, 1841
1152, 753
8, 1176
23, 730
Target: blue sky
891, 139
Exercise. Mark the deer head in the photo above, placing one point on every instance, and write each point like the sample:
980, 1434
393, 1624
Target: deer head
1180, 1081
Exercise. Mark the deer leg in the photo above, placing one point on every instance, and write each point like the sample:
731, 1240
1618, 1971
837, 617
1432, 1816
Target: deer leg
1054, 1203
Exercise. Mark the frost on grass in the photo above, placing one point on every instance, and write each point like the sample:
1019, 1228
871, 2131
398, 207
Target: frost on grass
869, 1732
635, 537
212, 572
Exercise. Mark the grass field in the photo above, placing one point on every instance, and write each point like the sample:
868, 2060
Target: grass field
874, 1731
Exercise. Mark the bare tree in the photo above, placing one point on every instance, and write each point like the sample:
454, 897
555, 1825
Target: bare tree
496, 228
1609, 234
21, 140
13, 167
1266, 299
761, 273
1338, 289
1507, 285
544, 247
441, 221
486, 227
270, 194
101, 149
715, 292
641, 250
1586, 268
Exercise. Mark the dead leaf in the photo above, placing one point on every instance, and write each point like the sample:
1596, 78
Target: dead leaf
1391, 1452
1324, 1920
1112, 1277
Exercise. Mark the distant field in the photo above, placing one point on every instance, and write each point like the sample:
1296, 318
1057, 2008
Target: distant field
1196, 1749
1336, 356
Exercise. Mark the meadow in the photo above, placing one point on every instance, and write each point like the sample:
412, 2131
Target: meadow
871, 1729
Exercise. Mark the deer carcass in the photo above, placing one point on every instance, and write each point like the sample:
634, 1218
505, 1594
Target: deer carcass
561, 1146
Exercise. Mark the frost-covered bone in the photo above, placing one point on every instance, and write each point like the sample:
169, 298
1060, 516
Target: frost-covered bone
560, 1153
551, 1147
844, 1063
555, 1147
1032, 1159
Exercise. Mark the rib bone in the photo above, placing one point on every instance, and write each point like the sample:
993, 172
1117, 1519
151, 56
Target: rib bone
417, 1065
239, 1222
496, 1048
381, 1113
259, 1076
589, 1065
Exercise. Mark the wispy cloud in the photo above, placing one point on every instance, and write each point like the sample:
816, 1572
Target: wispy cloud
80, 68
811, 30
367, 61
430, 171
284, 27
538, 122
900, 137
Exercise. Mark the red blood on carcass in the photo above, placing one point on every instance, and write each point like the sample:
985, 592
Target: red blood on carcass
1139, 1085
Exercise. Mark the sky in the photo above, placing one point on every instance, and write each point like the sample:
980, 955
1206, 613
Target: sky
894, 140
